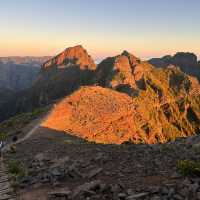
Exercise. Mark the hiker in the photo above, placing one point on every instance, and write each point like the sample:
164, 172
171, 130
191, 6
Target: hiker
14, 139
1, 147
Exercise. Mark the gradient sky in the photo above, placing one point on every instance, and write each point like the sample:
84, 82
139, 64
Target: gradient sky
147, 28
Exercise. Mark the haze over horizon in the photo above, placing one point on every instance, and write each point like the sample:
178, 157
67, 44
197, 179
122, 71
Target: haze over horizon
104, 28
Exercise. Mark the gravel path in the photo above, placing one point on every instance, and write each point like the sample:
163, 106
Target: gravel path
6, 192
56, 160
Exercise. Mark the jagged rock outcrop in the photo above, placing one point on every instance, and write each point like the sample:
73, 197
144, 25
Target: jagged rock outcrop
187, 62
123, 73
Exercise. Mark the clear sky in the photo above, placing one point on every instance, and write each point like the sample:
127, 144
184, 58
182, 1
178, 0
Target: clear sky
147, 28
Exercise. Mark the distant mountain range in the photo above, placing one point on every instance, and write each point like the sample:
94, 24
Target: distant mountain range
187, 62
27, 60
121, 99
18, 73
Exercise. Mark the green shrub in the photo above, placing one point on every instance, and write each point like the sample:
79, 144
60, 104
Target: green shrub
16, 170
19, 121
12, 149
189, 167
3, 136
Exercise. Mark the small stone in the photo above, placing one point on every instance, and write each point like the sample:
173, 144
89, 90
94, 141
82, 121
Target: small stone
59, 194
56, 172
198, 195
164, 190
154, 189
130, 192
194, 187
171, 192
178, 197
175, 175
56, 184
94, 172
184, 191
156, 198
186, 182
137, 196
122, 196
39, 157
86, 187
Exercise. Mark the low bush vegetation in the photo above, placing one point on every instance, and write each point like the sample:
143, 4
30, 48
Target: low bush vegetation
189, 167
3, 136
14, 124
16, 170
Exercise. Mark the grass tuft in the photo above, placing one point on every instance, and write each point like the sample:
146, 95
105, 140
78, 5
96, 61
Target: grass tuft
189, 167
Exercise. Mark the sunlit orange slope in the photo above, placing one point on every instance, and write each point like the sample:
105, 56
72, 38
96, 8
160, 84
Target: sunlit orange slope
96, 114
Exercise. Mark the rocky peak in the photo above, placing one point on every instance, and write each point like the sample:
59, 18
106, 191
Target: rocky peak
122, 72
133, 60
185, 59
76, 55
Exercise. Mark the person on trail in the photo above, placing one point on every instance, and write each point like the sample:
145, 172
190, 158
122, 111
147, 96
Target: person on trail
1, 147
14, 139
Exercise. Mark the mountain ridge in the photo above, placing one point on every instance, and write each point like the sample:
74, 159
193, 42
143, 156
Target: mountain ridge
171, 95
163, 96
187, 62
25, 60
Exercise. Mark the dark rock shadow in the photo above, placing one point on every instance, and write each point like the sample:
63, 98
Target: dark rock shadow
51, 84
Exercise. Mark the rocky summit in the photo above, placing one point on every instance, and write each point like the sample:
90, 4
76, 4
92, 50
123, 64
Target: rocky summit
123, 72
71, 56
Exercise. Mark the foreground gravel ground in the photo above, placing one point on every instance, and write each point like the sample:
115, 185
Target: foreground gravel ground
70, 168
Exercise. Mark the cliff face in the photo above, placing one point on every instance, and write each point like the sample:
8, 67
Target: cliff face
187, 62
17, 77
19, 73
